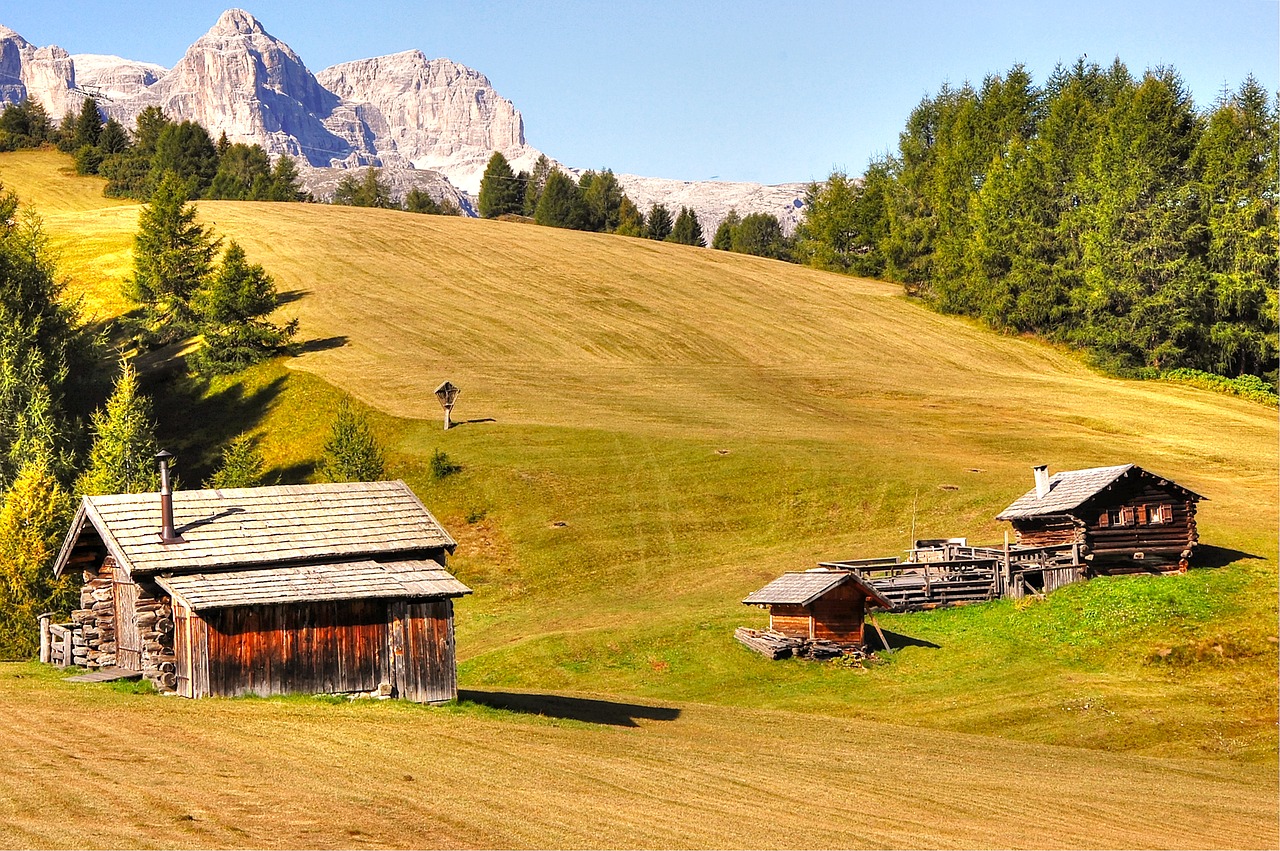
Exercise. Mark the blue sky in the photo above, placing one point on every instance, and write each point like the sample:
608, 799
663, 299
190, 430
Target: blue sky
761, 91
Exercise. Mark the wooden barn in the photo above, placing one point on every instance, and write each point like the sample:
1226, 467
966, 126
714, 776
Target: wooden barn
334, 588
822, 605
1120, 518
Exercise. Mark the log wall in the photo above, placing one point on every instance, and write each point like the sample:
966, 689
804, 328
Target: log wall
838, 614
147, 620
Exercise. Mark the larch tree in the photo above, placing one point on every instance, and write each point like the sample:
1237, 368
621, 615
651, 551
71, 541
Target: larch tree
122, 458
352, 453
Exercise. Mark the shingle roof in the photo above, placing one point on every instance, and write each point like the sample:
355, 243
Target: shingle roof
1070, 489
366, 579
243, 526
801, 589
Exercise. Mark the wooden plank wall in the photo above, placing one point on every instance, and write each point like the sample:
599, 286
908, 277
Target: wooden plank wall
325, 647
838, 614
794, 621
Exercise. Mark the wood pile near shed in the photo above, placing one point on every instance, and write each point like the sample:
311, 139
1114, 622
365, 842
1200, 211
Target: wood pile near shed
775, 645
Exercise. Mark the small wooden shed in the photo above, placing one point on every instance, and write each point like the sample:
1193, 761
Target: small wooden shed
334, 588
821, 604
1121, 518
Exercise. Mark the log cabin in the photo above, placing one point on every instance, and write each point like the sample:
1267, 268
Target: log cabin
1122, 518
331, 588
821, 604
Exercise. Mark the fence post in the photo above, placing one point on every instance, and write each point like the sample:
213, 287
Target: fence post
44, 637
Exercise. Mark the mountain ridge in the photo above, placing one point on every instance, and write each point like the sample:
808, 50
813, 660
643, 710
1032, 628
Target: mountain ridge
401, 112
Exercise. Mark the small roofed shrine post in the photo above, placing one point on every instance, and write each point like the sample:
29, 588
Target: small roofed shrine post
447, 393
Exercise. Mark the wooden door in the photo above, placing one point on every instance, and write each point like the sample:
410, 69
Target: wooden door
128, 636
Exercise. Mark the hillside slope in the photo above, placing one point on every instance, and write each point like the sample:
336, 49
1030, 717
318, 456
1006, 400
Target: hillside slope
651, 431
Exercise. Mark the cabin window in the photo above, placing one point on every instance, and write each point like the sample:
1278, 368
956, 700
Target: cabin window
1117, 517
1159, 514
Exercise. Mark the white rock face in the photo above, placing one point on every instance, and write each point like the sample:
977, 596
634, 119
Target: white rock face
114, 77
713, 199
239, 80
431, 113
416, 118
44, 74
321, 182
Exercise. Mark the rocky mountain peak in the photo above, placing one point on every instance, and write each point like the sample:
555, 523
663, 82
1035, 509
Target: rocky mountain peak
237, 22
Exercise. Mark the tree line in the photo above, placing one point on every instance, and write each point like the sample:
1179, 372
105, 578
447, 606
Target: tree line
1102, 210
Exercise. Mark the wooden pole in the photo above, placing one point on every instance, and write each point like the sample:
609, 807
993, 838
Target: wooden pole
448, 419
44, 636
884, 642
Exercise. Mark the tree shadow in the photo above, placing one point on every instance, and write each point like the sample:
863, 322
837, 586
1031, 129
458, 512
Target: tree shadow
571, 708
195, 423
292, 474
290, 296
323, 345
1207, 555
896, 640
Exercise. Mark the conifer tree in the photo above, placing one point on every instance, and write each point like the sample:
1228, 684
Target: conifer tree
687, 230
723, 240
186, 150
172, 258
658, 222
630, 219
33, 520
286, 184
234, 309
352, 453
122, 458
602, 196
534, 184
500, 192
242, 465
88, 125
244, 174
113, 139
560, 204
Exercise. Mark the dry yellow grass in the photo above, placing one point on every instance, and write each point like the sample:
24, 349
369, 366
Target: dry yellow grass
615, 369
89, 767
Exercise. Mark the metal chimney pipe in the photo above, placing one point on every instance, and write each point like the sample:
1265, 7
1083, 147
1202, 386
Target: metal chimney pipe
168, 535
1042, 480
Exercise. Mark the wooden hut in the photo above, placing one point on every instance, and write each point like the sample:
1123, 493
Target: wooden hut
1120, 518
822, 605
335, 588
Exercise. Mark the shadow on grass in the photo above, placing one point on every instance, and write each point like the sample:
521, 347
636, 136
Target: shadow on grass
457, 423
1207, 555
896, 641
195, 422
290, 296
293, 474
571, 708
323, 345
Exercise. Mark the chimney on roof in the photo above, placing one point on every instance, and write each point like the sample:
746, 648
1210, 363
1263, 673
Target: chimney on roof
168, 535
1042, 480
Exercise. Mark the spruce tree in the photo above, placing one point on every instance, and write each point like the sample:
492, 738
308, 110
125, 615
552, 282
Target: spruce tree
687, 230
286, 184
186, 150
234, 309
88, 125
560, 204
172, 258
122, 458
536, 181
113, 139
658, 222
244, 174
352, 453
723, 240
602, 196
242, 465
500, 192
33, 520
630, 219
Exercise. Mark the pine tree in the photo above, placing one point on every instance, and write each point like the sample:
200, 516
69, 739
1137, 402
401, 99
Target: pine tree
234, 309
122, 458
88, 125
658, 222
352, 453
242, 465
602, 196
560, 204
286, 184
723, 240
630, 219
687, 230
500, 192
172, 258
244, 174
535, 183
33, 519
186, 150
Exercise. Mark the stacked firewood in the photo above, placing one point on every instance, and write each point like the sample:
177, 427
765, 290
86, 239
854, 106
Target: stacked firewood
93, 627
775, 645
155, 623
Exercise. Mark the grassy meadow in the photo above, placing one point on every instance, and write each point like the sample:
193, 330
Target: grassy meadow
648, 432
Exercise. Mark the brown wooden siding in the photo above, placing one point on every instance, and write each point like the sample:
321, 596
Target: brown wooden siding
1161, 543
326, 647
1053, 531
128, 636
794, 621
